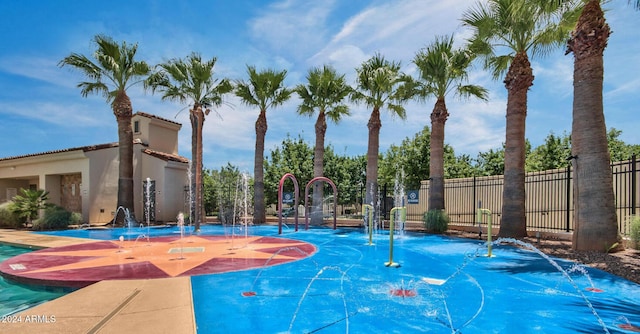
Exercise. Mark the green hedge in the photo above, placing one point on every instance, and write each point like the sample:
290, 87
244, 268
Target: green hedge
8, 218
56, 218
436, 221
635, 232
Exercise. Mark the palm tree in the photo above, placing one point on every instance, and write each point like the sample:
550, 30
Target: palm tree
380, 84
29, 203
114, 71
442, 70
192, 81
325, 91
595, 215
264, 90
506, 32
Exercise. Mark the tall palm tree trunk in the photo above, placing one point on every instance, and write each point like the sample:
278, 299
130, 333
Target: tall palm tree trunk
595, 215
194, 153
436, 156
371, 191
259, 215
199, 204
123, 111
518, 80
318, 169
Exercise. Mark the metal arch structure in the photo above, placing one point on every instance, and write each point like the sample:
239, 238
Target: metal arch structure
306, 197
296, 192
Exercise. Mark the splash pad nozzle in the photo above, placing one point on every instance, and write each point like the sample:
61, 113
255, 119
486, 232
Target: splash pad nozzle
481, 214
403, 215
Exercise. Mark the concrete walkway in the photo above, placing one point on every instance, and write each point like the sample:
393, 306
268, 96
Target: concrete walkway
118, 306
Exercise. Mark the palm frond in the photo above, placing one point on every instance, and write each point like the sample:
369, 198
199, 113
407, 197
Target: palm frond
442, 69
264, 89
114, 69
380, 82
190, 80
502, 28
325, 91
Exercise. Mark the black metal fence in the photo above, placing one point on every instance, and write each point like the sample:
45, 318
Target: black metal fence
549, 198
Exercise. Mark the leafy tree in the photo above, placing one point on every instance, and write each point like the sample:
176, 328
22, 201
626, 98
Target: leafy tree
619, 149
443, 71
325, 92
29, 202
222, 191
490, 162
192, 81
219, 187
458, 166
113, 72
294, 156
552, 154
391, 165
505, 34
264, 89
380, 84
348, 173
413, 159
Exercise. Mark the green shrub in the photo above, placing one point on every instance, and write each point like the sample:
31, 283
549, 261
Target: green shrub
436, 221
54, 218
9, 218
29, 202
635, 232
76, 218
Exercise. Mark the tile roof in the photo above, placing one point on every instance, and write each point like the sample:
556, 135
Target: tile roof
161, 155
165, 156
141, 113
82, 148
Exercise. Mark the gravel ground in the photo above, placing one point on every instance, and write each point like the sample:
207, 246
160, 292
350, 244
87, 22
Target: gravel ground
625, 263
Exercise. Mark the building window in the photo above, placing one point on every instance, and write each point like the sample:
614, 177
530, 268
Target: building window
136, 127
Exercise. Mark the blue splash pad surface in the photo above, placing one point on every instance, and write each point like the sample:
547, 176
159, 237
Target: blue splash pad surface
443, 285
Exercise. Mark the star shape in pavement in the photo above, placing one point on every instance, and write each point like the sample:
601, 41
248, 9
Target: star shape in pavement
177, 256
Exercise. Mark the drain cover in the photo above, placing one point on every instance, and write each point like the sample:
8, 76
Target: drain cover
186, 250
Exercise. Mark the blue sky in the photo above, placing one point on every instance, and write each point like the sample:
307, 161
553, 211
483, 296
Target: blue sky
42, 110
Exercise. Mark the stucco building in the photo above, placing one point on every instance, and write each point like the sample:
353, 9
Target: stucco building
85, 179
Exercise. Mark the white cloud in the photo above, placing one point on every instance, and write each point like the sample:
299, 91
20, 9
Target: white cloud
295, 35
89, 114
291, 26
38, 68
555, 73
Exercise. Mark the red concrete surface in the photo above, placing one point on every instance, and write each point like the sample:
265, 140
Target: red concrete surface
84, 264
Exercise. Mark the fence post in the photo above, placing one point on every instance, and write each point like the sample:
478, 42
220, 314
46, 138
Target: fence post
568, 213
633, 184
474, 197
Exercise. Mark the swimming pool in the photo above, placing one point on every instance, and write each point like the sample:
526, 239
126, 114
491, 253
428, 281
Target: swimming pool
17, 297
442, 285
